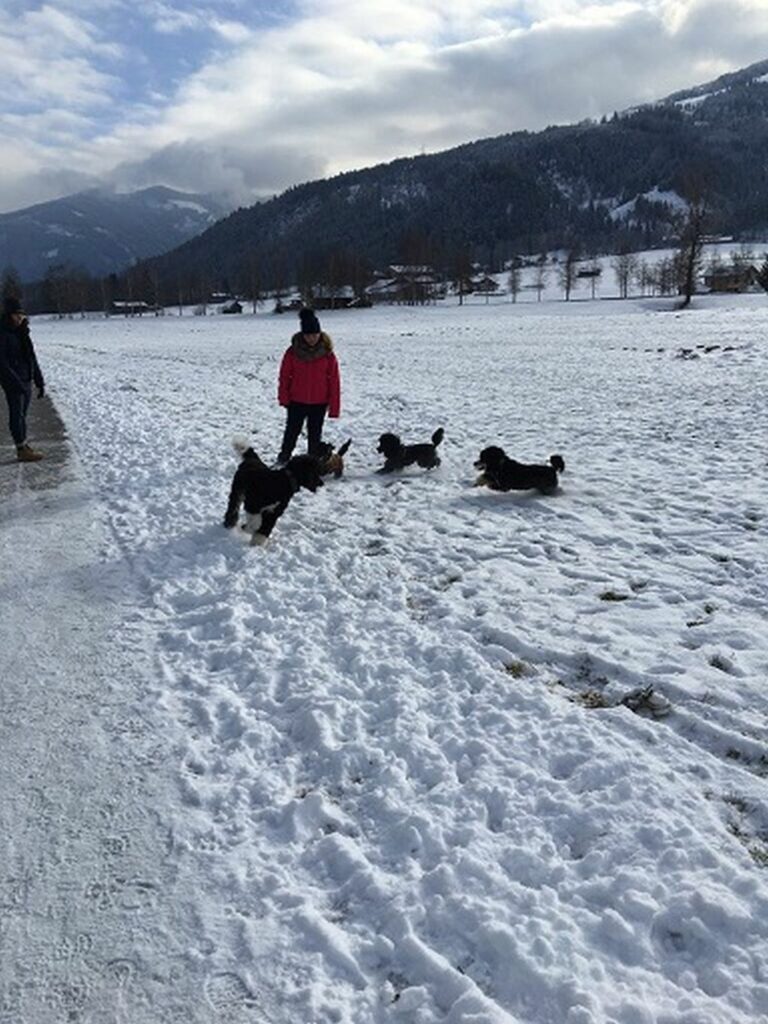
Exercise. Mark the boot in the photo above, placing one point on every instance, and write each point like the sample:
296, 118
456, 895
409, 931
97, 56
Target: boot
26, 454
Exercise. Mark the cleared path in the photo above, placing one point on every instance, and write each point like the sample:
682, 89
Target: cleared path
95, 904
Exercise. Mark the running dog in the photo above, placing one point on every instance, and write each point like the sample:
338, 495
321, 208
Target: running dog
265, 493
398, 455
501, 473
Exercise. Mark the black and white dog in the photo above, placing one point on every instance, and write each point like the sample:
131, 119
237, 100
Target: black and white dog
398, 455
501, 473
265, 493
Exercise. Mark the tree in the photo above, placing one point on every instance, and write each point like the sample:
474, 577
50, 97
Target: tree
666, 276
715, 263
11, 287
593, 274
566, 273
54, 289
514, 280
461, 273
762, 274
645, 277
540, 275
624, 267
254, 288
691, 245
742, 258
143, 286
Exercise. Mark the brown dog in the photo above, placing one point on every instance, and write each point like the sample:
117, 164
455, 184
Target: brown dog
330, 461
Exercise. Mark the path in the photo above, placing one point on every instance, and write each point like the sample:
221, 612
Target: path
92, 890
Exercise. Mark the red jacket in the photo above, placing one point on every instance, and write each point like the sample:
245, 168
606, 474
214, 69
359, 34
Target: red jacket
311, 381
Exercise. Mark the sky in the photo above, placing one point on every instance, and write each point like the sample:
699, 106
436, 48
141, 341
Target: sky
244, 99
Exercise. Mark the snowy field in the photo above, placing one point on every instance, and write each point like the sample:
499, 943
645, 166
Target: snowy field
402, 775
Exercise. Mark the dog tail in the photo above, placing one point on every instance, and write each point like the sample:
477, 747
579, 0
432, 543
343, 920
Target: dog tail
345, 447
557, 463
244, 449
437, 437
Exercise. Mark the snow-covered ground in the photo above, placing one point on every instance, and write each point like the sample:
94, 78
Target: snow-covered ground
388, 753
605, 285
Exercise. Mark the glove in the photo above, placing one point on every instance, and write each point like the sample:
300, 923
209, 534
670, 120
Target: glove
41, 392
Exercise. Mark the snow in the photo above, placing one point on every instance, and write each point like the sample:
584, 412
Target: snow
606, 285
655, 195
185, 204
381, 770
694, 101
57, 229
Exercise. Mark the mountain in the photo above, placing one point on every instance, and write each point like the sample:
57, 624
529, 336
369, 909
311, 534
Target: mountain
101, 231
595, 185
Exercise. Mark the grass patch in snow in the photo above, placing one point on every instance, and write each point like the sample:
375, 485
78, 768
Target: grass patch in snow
518, 669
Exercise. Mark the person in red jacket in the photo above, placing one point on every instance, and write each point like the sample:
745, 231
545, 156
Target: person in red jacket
309, 385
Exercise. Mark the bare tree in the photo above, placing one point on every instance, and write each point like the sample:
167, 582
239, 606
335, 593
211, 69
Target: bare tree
593, 273
540, 275
715, 264
514, 280
742, 258
691, 245
624, 267
644, 276
461, 273
666, 276
566, 273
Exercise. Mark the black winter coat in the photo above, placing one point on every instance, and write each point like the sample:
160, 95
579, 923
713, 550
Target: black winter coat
18, 362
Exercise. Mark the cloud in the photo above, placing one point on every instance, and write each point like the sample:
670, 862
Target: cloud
48, 54
247, 102
234, 168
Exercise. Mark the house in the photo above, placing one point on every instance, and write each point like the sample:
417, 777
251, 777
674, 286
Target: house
732, 279
485, 284
326, 297
407, 284
288, 303
135, 307
232, 307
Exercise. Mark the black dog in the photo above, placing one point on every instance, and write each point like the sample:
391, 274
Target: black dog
266, 492
330, 460
501, 473
399, 455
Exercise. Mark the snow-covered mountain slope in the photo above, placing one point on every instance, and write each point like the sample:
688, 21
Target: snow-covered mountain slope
101, 231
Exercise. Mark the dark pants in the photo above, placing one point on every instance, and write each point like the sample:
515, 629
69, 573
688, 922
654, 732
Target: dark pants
18, 404
297, 413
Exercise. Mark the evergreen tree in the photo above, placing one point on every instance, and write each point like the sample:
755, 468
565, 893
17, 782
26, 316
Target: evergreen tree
11, 287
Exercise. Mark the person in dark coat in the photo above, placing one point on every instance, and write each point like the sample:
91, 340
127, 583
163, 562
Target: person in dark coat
309, 385
19, 369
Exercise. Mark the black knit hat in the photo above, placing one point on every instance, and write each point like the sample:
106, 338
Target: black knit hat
11, 305
309, 322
